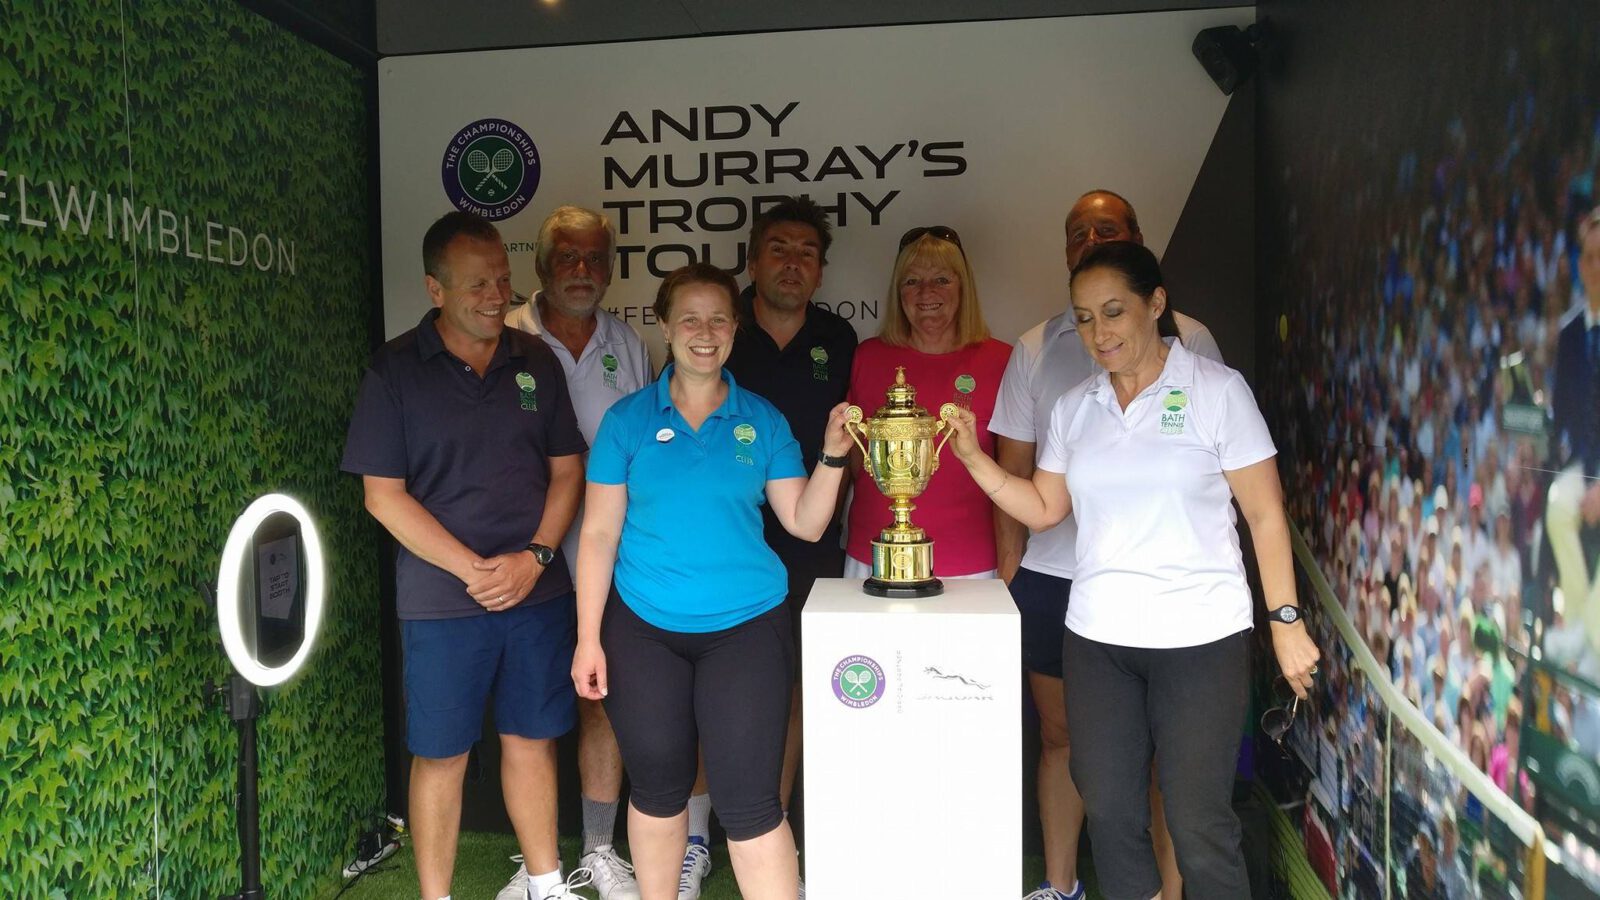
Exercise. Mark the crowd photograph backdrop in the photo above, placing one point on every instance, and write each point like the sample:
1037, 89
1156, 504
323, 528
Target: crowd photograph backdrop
1421, 249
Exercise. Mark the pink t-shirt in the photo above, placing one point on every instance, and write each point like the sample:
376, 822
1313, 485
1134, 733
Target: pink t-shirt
954, 511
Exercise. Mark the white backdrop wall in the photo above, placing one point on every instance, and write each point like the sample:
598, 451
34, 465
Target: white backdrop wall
992, 128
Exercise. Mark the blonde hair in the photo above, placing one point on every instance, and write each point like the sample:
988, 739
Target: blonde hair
928, 250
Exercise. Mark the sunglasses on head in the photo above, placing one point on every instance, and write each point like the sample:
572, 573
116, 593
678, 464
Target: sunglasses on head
942, 232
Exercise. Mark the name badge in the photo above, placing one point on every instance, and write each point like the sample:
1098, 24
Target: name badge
665, 434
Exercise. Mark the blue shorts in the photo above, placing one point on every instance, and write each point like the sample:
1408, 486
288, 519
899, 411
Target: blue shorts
522, 656
1042, 600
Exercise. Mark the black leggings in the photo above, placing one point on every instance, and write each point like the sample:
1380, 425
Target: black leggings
725, 693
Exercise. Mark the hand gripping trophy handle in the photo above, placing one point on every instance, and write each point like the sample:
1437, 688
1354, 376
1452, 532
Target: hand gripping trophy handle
852, 427
947, 412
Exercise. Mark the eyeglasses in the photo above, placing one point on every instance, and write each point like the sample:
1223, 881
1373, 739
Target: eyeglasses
569, 259
942, 232
1277, 721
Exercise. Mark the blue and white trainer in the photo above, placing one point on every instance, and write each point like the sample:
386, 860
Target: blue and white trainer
696, 865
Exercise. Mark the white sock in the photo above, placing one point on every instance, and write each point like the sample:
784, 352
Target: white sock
700, 817
541, 885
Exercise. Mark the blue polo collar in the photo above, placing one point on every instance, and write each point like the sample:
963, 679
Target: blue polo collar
733, 405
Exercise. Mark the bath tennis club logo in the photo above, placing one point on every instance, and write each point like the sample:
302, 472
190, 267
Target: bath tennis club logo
744, 433
526, 383
1172, 411
490, 167
858, 681
819, 363
609, 364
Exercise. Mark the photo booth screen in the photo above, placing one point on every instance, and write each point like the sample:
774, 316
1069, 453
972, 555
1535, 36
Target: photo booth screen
276, 607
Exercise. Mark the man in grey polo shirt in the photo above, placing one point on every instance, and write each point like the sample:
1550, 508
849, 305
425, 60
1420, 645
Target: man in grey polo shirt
1048, 360
604, 360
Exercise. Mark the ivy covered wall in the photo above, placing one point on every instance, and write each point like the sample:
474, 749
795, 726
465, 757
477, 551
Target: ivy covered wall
184, 299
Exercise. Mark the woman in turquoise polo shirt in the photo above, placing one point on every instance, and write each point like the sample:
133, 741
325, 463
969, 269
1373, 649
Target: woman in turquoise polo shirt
681, 626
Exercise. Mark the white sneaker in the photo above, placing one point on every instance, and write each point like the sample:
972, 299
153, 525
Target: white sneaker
517, 887
696, 865
577, 878
613, 876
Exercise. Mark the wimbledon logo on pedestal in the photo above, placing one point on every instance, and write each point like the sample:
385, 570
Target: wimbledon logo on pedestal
858, 681
491, 168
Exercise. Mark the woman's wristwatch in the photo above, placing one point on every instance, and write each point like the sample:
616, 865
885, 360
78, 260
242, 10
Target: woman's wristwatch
835, 462
1287, 614
542, 554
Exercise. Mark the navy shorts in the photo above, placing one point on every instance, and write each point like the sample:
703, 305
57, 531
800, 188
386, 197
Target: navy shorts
522, 657
1042, 600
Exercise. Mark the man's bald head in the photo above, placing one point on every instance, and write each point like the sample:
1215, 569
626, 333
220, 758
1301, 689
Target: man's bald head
1098, 217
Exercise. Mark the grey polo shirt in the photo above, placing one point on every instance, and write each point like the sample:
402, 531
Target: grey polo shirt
612, 365
473, 451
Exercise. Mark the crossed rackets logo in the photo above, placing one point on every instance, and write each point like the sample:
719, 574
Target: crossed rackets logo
491, 167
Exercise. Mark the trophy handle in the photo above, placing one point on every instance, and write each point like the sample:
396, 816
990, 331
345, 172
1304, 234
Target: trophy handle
946, 413
852, 427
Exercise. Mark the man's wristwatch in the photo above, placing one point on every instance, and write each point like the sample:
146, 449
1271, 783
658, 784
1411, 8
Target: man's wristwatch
1288, 615
835, 462
544, 555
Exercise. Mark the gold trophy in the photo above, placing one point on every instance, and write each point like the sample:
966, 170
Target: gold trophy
899, 453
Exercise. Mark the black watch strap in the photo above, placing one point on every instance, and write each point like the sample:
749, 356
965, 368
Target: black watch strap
836, 462
544, 555
1286, 614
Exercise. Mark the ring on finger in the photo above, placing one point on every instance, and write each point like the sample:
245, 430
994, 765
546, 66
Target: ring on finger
1312, 671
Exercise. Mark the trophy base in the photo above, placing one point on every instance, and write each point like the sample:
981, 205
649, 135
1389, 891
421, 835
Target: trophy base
876, 587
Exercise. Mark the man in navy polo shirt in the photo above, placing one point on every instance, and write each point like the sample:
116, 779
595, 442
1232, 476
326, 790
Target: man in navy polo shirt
470, 455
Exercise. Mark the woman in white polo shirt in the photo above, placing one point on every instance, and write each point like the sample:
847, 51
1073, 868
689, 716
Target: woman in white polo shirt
1148, 455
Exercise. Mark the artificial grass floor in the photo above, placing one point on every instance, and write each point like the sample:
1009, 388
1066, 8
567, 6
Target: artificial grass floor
483, 867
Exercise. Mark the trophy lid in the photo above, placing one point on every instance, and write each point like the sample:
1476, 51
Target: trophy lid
902, 399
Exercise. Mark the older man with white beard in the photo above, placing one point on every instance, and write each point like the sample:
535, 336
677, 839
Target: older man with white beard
604, 360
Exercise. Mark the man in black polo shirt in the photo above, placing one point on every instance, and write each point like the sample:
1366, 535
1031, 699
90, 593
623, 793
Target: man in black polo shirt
797, 355
470, 456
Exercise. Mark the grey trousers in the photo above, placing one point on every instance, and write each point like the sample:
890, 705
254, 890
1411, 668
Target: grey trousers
1184, 708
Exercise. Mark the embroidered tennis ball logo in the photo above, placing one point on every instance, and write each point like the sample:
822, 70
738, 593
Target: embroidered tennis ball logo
819, 363
527, 384
1172, 418
966, 383
609, 362
744, 434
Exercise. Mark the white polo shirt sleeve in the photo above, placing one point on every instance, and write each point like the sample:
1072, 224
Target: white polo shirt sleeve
1014, 404
1063, 423
1236, 425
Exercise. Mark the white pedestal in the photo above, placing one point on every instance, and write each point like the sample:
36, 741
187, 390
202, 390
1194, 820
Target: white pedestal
913, 777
